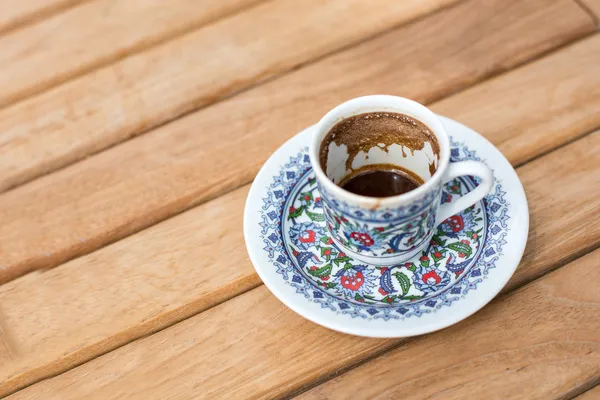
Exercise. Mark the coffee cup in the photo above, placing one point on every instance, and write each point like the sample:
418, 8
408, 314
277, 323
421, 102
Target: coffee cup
388, 230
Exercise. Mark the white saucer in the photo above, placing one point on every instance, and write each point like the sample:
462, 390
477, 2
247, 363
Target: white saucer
466, 265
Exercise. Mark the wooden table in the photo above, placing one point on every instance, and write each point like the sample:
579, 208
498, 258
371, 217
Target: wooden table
130, 131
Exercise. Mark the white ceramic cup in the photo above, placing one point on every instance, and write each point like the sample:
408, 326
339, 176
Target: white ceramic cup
390, 230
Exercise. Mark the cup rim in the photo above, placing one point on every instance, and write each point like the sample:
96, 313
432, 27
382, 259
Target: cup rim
371, 103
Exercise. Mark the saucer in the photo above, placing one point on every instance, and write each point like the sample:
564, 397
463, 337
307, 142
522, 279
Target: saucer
467, 262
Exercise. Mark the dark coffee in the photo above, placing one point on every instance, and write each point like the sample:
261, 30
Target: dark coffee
381, 181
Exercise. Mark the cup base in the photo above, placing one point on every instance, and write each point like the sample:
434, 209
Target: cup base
382, 261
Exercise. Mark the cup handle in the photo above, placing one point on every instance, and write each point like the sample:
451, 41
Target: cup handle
461, 168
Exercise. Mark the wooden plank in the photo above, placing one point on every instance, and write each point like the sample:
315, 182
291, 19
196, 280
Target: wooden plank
254, 334
192, 266
146, 89
540, 342
89, 204
14, 14
105, 31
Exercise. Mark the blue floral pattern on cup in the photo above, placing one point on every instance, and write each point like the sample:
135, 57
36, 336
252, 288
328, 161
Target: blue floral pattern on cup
380, 235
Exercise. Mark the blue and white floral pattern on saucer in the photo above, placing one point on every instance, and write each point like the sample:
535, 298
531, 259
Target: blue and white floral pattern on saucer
464, 266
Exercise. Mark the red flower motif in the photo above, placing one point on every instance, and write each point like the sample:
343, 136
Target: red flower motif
353, 282
344, 219
307, 197
325, 278
407, 265
431, 277
424, 258
292, 209
327, 252
455, 223
461, 255
474, 236
307, 236
363, 238
383, 292
342, 254
464, 241
383, 269
313, 268
437, 254
380, 229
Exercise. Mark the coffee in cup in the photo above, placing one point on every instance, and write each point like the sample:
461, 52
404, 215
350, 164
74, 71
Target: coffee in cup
378, 130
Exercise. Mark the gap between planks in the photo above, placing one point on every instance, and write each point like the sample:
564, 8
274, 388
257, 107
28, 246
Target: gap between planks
592, 393
592, 7
129, 212
32, 13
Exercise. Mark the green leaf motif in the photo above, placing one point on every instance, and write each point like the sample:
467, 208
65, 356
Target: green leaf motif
342, 259
404, 282
296, 213
315, 216
321, 272
438, 240
461, 248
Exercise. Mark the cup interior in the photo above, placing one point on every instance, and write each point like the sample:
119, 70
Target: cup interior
379, 132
